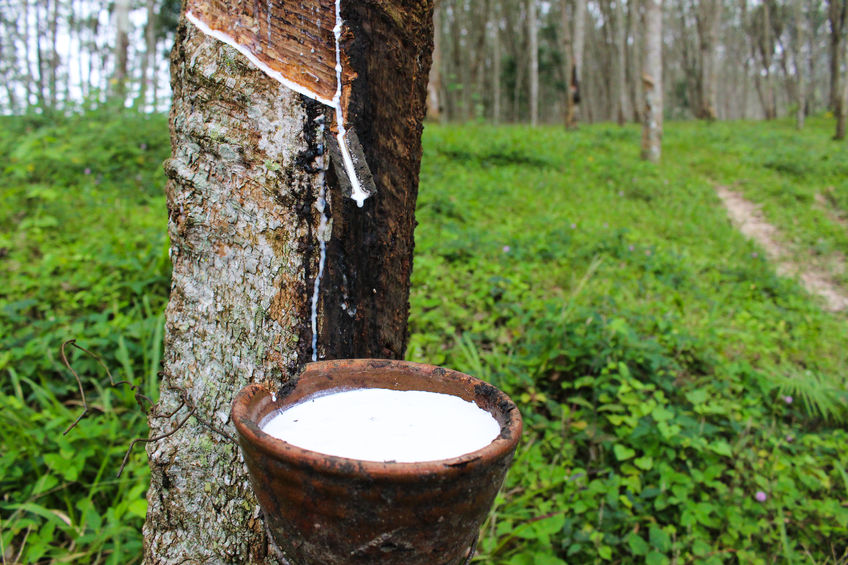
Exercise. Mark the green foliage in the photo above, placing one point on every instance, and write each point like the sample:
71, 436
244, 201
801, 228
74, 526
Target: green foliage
84, 250
650, 351
800, 178
650, 347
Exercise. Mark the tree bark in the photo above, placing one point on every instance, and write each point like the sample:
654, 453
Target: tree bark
40, 57
798, 42
709, 17
28, 74
837, 10
148, 61
567, 62
634, 59
652, 82
496, 64
579, 41
434, 84
253, 208
620, 78
122, 42
533, 34
53, 27
842, 114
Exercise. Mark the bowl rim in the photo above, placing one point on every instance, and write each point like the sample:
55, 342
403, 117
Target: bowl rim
250, 433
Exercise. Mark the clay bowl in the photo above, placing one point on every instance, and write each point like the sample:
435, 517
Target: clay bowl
327, 510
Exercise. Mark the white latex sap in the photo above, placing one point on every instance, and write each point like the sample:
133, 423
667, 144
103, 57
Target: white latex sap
374, 424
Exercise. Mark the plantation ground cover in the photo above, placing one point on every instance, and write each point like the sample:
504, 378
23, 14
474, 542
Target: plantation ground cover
651, 348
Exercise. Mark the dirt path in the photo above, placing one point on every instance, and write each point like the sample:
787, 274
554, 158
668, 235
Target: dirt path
746, 216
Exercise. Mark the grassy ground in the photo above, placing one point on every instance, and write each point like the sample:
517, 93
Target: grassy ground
652, 349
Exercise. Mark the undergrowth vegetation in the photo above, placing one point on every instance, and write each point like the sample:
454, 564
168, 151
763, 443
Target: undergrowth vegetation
682, 402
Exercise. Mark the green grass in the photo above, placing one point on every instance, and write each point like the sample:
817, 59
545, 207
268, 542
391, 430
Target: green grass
83, 252
799, 178
649, 345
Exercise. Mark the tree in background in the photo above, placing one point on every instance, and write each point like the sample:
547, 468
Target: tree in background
63, 55
722, 59
533, 47
708, 15
652, 82
842, 84
272, 264
568, 68
122, 43
837, 11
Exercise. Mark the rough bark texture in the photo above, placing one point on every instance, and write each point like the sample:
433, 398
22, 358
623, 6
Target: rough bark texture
652, 82
122, 42
434, 85
837, 10
709, 17
247, 171
842, 107
620, 78
798, 43
578, 44
567, 63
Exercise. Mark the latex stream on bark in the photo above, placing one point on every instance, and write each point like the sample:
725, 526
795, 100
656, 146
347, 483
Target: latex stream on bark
285, 75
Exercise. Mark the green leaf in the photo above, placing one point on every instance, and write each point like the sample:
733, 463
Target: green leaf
655, 558
605, 552
701, 548
697, 397
721, 447
622, 452
638, 546
645, 463
138, 507
662, 414
659, 538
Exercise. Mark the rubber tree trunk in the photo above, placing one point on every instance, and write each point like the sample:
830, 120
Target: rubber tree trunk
709, 18
842, 107
122, 42
567, 62
434, 84
837, 10
799, 40
148, 61
578, 43
533, 46
620, 77
652, 118
253, 205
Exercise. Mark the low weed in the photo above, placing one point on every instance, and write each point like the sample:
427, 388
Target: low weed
682, 402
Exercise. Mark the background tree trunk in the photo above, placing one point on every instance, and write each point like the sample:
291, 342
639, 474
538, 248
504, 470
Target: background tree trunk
652, 81
635, 53
620, 78
54, 55
836, 14
434, 84
579, 41
799, 41
533, 47
122, 42
252, 204
567, 61
842, 114
147, 96
496, 64
709, 17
